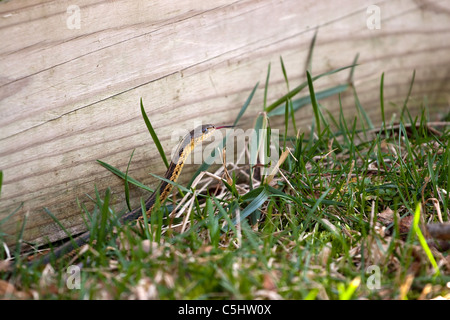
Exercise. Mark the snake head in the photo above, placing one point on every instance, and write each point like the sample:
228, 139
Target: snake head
206, 130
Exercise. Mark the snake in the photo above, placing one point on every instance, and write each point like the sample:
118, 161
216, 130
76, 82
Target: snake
184, 148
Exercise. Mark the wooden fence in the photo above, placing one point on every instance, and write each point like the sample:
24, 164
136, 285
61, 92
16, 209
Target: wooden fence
72, 74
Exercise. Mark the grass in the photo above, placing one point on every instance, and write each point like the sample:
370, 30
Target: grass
339, 220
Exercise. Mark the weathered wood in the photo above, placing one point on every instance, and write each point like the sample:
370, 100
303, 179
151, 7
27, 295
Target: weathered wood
71, 96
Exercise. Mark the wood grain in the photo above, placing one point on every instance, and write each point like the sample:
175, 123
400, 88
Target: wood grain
71, 96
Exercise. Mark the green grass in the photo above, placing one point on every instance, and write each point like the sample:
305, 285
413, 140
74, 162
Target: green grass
339, 209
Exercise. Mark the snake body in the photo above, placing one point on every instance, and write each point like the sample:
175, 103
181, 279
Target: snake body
185, 147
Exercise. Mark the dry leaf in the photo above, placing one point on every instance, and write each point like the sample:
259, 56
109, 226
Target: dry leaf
6, 288
268, 294
268, 283
386, 217
9, 291
145, 290
5, 265
405, 224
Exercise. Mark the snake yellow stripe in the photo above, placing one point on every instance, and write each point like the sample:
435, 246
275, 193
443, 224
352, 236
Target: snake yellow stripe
185, 147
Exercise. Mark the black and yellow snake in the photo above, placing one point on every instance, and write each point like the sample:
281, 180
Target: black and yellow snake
185, 147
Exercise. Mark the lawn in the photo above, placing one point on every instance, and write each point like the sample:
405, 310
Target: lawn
347, 213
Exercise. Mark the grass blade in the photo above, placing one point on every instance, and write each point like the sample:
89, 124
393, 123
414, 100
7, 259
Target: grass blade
308, 66
405, 103
266, 87
254, 205
104, 213
20, 237
383, 117
127, 190
423, 241
306, 100
315, 106
352, 70
283, 69
122, 175
51, 215
362, 111
184, 189
246, 104
303, 85
154, 136
145, 219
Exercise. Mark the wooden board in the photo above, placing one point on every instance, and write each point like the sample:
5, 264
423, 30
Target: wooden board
70, 96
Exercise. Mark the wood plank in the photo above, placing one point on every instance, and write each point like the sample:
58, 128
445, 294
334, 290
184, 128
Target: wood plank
69, 97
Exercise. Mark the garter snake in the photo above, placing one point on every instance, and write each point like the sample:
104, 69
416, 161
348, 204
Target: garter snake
185, 147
